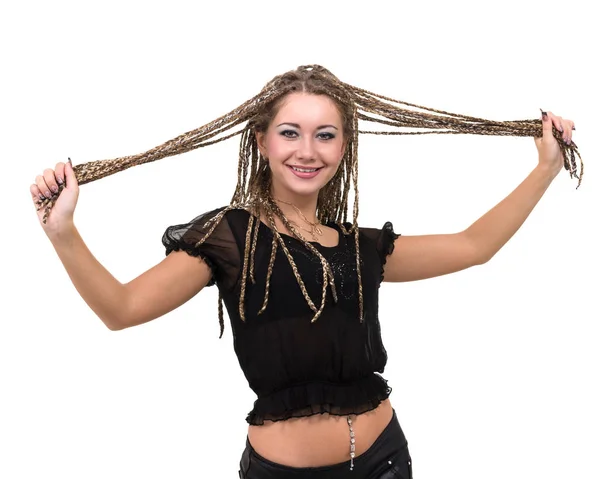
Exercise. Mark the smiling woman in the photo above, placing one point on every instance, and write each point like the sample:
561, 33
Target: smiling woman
299, 280
311, 148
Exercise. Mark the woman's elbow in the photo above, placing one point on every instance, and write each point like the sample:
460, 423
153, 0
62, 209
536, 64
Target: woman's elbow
115, 324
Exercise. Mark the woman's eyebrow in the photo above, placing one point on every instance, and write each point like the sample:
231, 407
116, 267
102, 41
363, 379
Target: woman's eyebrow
295, 125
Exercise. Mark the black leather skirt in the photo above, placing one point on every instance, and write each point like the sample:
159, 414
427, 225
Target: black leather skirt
387, 458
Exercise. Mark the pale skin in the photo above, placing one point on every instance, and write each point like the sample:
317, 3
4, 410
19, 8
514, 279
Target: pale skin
307, 132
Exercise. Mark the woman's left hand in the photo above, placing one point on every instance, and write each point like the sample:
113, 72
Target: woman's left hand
549, 152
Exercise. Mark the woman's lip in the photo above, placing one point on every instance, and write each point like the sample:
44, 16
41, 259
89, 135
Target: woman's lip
305, 167
300, 174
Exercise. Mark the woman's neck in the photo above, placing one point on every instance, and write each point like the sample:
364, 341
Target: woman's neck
307, 205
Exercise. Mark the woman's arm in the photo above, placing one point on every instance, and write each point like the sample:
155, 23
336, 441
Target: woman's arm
159, 290
421, 257
164, 287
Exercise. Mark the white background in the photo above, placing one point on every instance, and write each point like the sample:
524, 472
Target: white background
494, 370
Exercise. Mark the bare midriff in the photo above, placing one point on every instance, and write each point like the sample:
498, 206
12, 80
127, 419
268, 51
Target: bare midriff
318, 440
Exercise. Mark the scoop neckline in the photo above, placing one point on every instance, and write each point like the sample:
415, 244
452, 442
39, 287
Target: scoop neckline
316, 243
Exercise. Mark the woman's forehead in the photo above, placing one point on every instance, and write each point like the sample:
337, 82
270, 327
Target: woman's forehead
308, 108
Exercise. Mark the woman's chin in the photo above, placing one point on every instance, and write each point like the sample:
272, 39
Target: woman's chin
300, 190
291, 184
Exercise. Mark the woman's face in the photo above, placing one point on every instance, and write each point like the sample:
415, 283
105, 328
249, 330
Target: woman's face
304, 145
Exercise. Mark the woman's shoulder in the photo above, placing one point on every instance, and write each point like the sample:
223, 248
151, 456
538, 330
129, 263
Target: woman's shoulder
232, 218
218, 222
231, 213
380, 238
370, 232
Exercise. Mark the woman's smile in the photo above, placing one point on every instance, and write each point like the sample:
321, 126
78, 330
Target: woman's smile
303, 172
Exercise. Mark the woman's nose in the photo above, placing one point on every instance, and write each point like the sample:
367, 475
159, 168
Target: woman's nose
306, 150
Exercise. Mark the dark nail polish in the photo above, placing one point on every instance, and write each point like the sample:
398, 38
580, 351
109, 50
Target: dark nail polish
544, 114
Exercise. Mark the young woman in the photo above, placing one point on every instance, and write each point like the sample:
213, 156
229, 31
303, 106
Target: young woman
284, 257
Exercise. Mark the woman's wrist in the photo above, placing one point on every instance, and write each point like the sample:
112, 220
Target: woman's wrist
548, 171
63, 236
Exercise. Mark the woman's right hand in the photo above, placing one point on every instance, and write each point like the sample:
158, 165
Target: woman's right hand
47, 185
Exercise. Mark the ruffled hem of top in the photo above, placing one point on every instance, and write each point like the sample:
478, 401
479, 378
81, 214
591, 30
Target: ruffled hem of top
308, 399
387, 237
193, 251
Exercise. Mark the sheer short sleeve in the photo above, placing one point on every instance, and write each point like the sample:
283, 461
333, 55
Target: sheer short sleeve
219, 250
383, 240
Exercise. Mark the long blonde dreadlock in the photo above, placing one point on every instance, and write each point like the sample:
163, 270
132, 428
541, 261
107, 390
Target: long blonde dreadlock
253, 193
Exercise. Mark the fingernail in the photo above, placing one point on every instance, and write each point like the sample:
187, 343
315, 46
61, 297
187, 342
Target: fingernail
573, 128
48, 194
568, 141
544, 115
69, 160
59, 181
42, 197
54, 188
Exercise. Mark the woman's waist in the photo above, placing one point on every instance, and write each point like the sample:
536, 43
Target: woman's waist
319, 439
319, 396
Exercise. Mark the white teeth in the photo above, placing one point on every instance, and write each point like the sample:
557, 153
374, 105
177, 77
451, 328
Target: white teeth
304, 170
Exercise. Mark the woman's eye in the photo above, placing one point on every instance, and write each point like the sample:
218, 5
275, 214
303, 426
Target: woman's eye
294, 134
326, 136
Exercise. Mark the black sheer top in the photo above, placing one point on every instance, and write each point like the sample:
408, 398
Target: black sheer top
295, 367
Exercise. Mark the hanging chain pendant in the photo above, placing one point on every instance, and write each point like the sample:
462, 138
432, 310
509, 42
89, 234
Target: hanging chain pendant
352, 441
